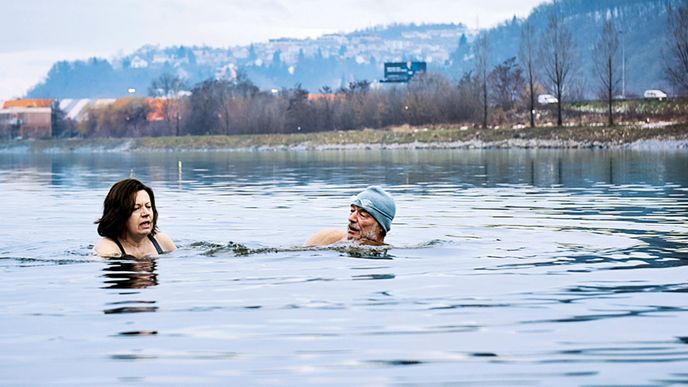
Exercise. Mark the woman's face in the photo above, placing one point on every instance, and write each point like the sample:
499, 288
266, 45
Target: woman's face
140, 221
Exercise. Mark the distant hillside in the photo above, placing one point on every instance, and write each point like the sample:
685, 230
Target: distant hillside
330, 60
334, 60
644, 27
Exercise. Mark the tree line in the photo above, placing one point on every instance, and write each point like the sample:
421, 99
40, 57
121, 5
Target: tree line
487, 95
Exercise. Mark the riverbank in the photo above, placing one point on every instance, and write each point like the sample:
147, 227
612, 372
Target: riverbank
663, 136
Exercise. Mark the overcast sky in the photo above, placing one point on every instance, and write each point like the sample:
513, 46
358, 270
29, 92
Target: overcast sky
36, 33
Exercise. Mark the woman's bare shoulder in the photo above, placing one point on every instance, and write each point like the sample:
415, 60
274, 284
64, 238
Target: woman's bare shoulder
166, 242
326, 237
106, 247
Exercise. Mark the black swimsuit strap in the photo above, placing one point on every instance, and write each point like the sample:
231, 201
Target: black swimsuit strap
120, 247
156, 244
152, 239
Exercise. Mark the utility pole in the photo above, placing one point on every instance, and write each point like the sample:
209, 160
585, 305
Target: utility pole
623, 64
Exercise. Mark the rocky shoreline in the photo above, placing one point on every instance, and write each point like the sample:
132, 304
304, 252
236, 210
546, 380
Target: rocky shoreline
625, 137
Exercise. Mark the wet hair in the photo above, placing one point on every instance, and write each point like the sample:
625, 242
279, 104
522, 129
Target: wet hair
119, 205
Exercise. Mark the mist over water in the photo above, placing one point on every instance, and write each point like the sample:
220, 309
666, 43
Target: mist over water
505, 267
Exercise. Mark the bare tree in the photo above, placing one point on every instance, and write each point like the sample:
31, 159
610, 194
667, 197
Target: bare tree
208, 103
482, 53
168, 86
427, 99
676, 66
325, 119
223, 94
605, 62
558, 54
299, 113
527, 56
507, 83
469, 108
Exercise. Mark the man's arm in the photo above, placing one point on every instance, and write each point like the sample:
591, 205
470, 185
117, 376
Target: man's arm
326, 237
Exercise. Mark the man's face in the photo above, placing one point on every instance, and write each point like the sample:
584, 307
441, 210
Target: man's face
362, 226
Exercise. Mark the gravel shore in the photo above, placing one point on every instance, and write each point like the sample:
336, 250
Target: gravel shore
620, 137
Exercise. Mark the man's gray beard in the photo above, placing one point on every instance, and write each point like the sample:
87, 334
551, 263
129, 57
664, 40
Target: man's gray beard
369, 235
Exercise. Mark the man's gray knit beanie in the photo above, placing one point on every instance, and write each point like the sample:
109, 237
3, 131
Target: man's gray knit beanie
377, 203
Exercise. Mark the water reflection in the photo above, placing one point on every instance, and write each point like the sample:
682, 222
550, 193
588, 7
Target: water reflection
130, 274
482, 168
501, 263
131, 307
373, 276
659, 251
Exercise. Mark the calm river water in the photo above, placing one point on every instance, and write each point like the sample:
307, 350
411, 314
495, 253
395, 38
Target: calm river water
507, 268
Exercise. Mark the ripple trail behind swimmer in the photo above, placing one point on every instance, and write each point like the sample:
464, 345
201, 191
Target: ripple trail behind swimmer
240, 250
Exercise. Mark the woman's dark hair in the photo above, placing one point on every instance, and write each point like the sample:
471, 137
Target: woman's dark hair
118, 206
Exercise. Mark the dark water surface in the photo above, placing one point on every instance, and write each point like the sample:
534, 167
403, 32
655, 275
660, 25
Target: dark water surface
507, 268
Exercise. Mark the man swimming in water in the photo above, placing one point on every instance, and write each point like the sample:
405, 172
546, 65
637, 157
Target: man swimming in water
372, 212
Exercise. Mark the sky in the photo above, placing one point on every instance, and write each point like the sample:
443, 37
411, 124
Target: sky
34, 34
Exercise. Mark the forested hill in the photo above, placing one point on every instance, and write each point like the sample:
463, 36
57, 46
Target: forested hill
336, 59
330, 60
642, 40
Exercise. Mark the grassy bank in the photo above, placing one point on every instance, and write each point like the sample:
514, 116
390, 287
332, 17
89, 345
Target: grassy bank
402, 137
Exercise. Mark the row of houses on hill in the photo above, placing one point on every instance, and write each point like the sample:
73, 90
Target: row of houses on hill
34, 118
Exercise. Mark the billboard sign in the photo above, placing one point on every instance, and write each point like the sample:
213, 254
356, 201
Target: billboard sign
402, 71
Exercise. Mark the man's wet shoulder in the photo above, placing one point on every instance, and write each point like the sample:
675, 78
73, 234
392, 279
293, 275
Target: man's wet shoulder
326, 237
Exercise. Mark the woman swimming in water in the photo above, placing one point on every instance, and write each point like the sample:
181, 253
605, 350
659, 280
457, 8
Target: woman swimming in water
129, 223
